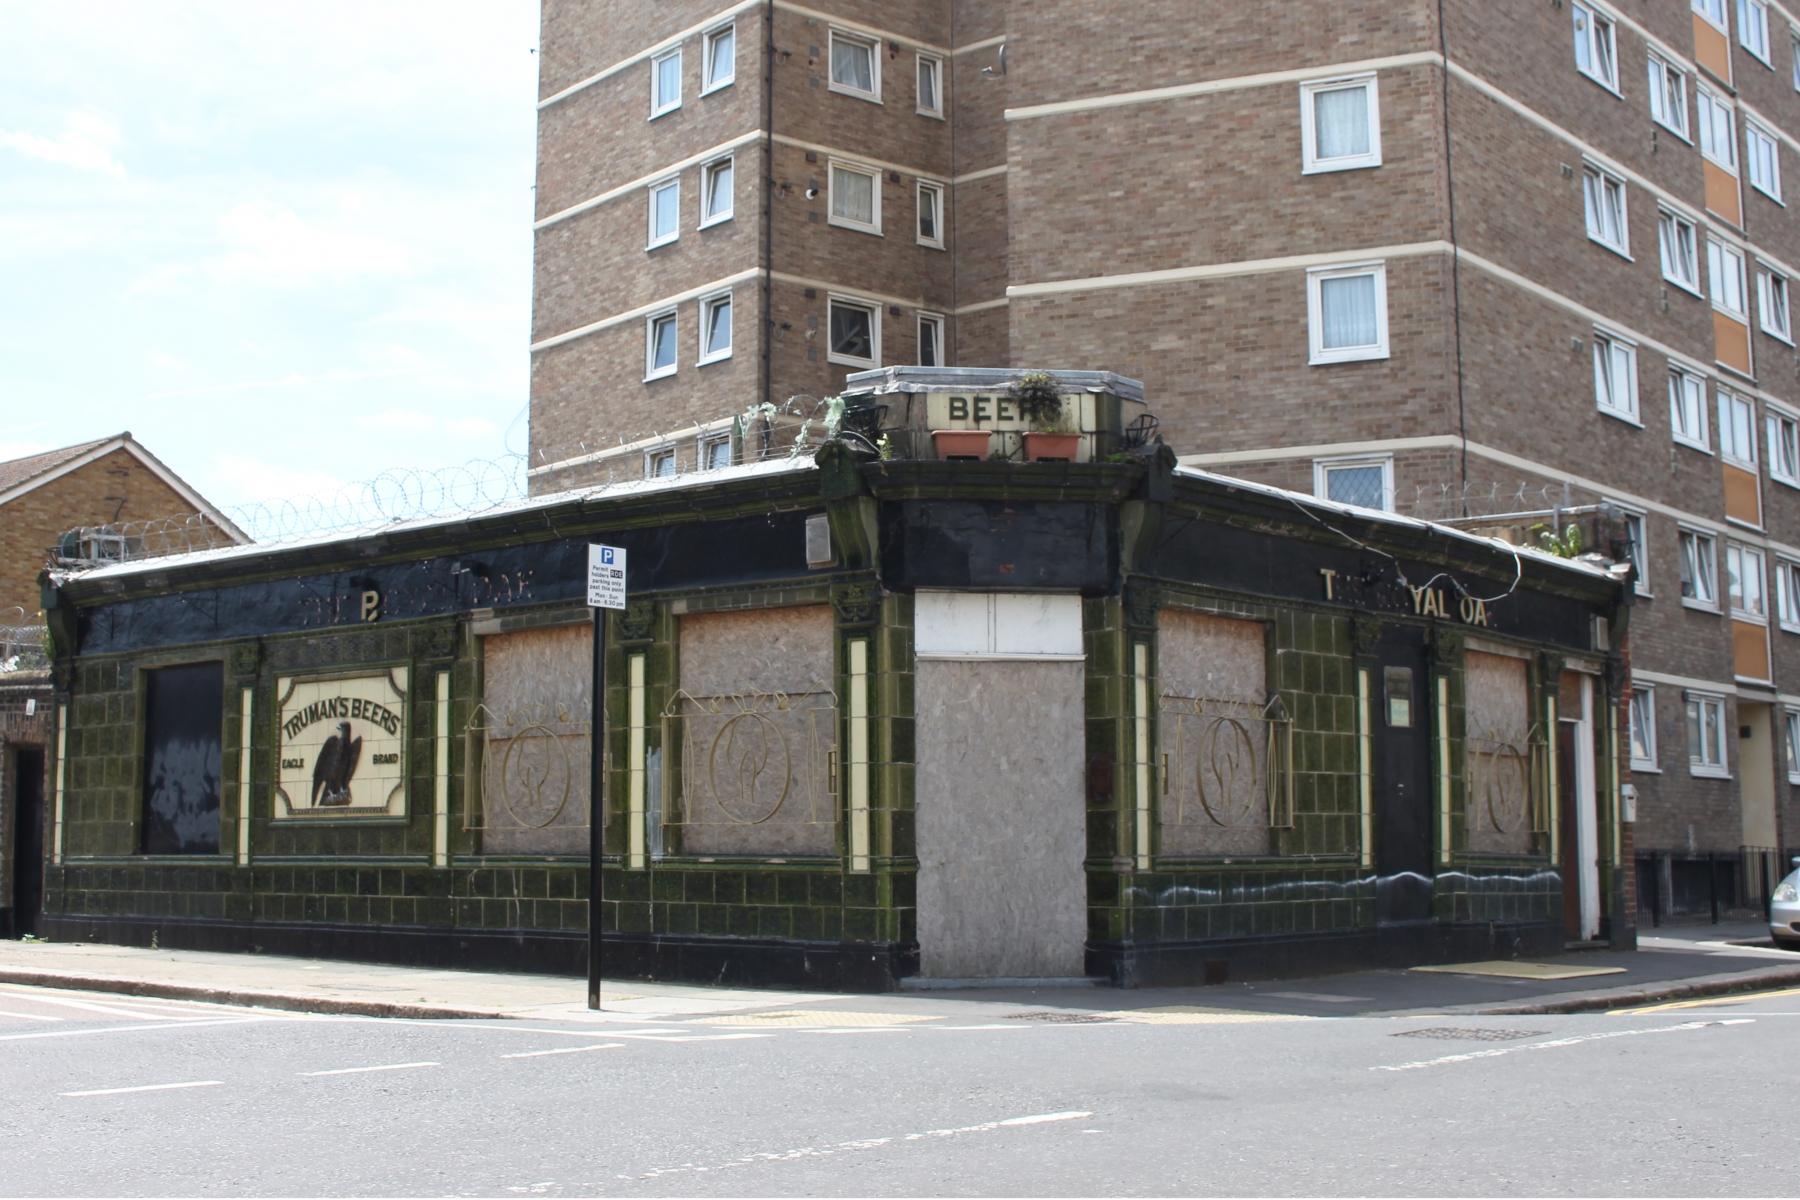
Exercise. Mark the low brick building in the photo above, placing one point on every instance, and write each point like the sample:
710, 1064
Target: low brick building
865, 718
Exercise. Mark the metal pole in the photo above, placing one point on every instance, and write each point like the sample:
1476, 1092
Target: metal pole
596, 780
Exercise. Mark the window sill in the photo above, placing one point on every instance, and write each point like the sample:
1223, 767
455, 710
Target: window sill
718, 220
718, 87
663, 112
1784, 482
1742, 524
1783, 338
1615, 414
1727, 367
858, 226
1766, 194
936, 114
1787, 627
1701, 607
1708, 772
1692, 289
713, 358
1645, 768
1600, 83
1618, 250
832, 85
660, 375
668, 241
1680, 133
861, 364
1325, 358
1702, 447
1361, 162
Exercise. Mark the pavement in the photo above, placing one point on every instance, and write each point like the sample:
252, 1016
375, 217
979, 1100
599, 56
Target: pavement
1671, 964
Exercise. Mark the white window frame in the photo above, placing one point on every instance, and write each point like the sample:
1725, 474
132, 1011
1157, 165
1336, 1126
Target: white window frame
654, 191
1679, 231
1680, 378
651, 370
831, 82
659, 105
1790, 721
1703, 569
1794, 43
1721, 259
1661, 73
1741, 564
1729, 403
1756, 139
707, 304
1713, 11
1718, 146
936, 322
1696, 705
1315, 328
1753, 30
1310, 162
1611, 352
657, 455
1787, 593
875, 179
1642, 715
874, 307
707, 174
1781, 428
1774, 303
937, 65
1322, 468
709, 59
1596, 31
703, 452
939, 191
1636, 524
1598, 186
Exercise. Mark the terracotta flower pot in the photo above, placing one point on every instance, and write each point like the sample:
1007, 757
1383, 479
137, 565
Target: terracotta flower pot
1058, 447
961, 443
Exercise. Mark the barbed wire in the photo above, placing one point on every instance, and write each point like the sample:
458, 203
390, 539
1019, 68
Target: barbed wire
22, 648
1459, 502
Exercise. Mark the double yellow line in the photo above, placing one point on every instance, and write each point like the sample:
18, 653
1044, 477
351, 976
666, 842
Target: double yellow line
1733, 998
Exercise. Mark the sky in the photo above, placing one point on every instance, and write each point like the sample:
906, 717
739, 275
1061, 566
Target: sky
288, 246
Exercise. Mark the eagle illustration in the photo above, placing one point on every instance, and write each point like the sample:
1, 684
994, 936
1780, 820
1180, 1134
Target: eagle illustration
335, 765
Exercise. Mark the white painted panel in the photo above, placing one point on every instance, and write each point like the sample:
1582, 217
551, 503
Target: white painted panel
1036, 624
951, 623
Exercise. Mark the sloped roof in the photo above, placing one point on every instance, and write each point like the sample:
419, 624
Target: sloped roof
22, 475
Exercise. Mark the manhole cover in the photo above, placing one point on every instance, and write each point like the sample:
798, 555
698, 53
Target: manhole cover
1058, 1018
1447, 1034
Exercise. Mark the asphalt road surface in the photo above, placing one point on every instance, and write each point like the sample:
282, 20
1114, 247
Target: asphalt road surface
102, 1094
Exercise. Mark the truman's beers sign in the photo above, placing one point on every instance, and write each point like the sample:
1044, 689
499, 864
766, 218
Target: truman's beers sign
342, 745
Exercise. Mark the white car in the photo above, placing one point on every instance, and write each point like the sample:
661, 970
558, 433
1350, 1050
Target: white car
1784, 913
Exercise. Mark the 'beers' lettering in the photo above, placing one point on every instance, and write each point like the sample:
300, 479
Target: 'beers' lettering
340, 708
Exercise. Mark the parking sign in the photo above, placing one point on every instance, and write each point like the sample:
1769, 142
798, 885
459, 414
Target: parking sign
606, 577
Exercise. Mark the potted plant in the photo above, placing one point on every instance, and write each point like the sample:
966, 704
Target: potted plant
1040, 402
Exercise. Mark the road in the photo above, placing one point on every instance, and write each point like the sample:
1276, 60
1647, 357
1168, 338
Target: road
917, 1095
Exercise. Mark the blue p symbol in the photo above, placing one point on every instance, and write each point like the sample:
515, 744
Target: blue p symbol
606, 555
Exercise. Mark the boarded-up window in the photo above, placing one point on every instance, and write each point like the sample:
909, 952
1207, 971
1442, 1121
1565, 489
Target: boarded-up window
1497, 750
531, 740
183, 724
756, 720
1216, 776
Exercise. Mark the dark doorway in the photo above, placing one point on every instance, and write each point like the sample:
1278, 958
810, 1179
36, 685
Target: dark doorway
183, 727
1568, 836
28, 840
1402, 726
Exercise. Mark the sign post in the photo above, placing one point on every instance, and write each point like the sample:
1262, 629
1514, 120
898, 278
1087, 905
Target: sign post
605, 589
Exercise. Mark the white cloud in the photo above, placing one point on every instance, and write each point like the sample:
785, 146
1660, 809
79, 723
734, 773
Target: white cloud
254, 479
273, 243
12, 450
82, 146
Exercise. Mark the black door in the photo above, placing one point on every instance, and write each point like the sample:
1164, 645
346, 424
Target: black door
28, 840
1402, 729
182, 732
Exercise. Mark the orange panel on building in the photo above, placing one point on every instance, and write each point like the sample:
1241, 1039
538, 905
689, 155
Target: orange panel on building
1743, 498
1722, 194
1750, 650
1731, 341
1711, 49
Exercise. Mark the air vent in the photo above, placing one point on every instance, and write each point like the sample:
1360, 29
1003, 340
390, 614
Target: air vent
818, 543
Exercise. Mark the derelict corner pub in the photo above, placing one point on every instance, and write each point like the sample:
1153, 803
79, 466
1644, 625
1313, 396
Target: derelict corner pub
868, 715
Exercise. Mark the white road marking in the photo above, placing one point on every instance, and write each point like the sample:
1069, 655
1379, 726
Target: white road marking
863, 1144
134, 1013
156, 1028
149, 1087
1014, 1025
861, 1029
567, 1050
1556, 1043
27, 1016
705, 1037
365, 1070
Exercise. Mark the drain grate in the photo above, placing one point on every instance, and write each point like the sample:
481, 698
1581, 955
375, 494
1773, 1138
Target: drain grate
1445, 1033
1058, 1018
